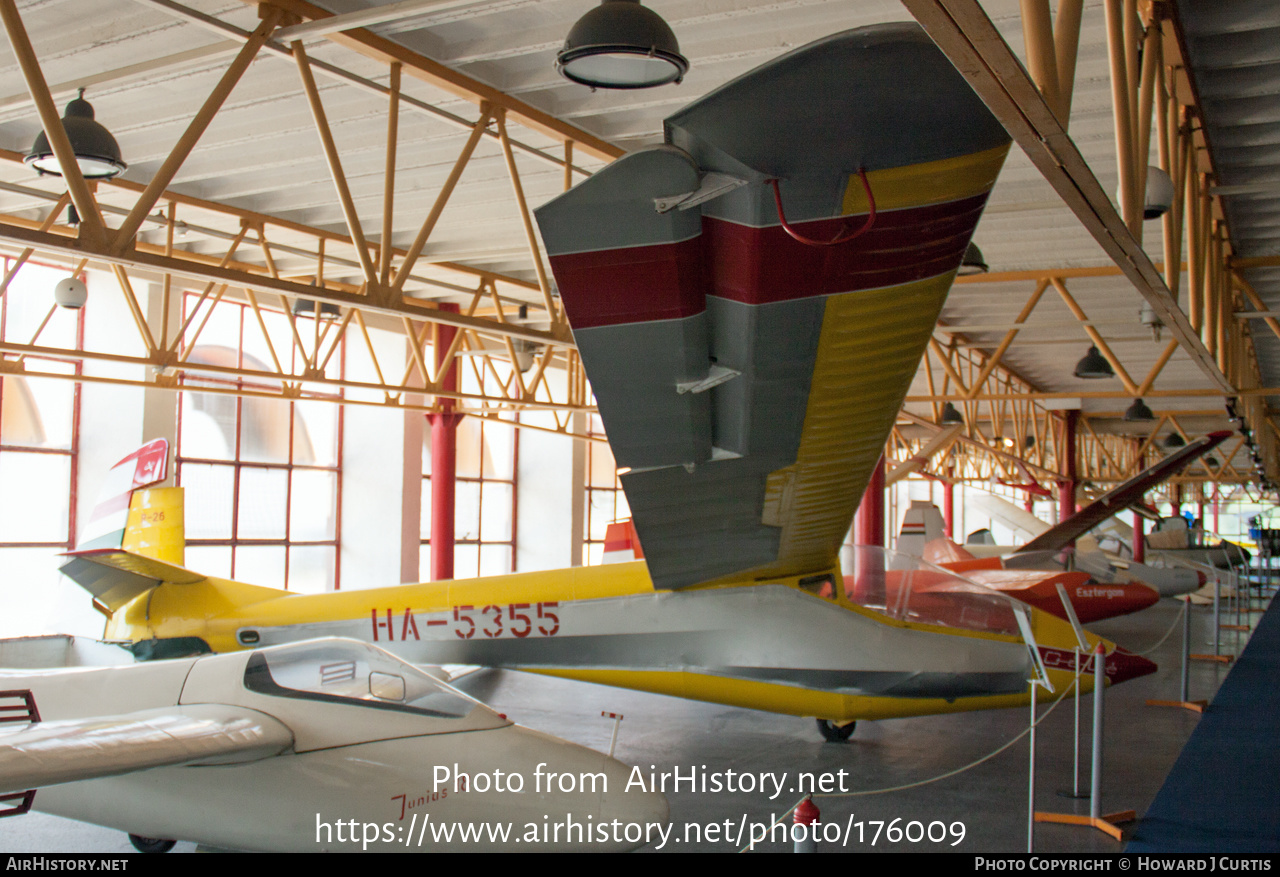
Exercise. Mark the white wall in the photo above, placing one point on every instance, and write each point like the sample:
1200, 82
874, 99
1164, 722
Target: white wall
374, 473
551, 480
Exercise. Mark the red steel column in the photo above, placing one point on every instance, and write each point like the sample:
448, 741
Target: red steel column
1067, 484
868, 529
949, 509
444, 459
1139, 541
868, 523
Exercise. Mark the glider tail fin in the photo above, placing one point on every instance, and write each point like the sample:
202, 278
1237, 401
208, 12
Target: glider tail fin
135, 536
922, 523
133, 515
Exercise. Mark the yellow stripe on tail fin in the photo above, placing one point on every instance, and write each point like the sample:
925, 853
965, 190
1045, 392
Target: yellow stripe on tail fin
155, 527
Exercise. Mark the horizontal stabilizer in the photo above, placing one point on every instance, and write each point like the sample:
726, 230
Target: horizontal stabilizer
116, 577
48, 753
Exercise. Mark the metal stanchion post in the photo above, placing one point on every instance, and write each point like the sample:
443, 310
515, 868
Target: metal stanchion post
1217, 619
1075, 751
1031, 777
1185, 680
1186, 651
613, 739
1095, 818
1095, 780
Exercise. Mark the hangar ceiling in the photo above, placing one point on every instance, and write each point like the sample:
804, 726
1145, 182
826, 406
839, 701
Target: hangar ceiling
284, 187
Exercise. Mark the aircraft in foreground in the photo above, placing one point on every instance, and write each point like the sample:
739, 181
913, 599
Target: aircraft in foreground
323, 745
751, 300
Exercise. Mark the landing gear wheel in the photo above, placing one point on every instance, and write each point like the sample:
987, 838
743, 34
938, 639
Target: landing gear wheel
833, 733
151, 844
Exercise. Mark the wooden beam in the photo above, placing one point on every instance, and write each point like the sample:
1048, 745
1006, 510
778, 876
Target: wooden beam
1096, 336
442, 198
91, 226
964, 32
526, 221
334, 162
54, 243
129, 228
991, 363
440, 76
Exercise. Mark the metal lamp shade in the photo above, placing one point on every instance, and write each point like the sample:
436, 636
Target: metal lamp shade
1094, 366
621, 44
1138, 412
950, 414
972, 263
305, 307
96, 150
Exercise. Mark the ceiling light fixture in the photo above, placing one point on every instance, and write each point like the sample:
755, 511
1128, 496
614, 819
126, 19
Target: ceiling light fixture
70, 292
1174, 441
1094, 366
1147, 317
621, 44
950, 415
96, 150
1138, 412
305, 307
972, 262
526, 353
1159, 197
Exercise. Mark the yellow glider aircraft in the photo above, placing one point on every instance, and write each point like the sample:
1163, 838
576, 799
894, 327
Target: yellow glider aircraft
750, 300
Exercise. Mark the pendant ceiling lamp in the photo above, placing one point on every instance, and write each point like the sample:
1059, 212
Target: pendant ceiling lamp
1138, 412
972, 262
96, 150
1094, 366
621, 44
950, 414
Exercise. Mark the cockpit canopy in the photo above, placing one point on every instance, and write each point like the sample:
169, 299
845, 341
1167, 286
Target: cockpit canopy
348, 671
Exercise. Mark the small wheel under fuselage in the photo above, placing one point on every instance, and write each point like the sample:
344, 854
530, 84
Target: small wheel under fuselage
833, 733
151, 844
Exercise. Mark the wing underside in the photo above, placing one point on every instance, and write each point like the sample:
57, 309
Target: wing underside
748, 380
48, 753
1122, 496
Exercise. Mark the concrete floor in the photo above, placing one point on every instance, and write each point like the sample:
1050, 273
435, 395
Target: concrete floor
989, 801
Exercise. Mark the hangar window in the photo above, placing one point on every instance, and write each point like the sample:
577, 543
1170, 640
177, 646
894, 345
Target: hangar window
485, 487
262, 473
39, 433
606, 502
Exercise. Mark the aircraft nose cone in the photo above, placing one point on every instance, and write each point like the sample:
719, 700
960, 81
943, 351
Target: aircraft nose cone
1122, 666
1140, 596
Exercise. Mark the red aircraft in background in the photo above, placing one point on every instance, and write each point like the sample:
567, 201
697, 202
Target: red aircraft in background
1017, 575
1091, 600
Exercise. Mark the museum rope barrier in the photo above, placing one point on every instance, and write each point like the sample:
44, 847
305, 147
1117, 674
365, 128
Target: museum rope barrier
959, 770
